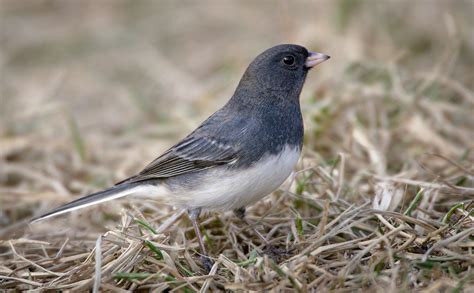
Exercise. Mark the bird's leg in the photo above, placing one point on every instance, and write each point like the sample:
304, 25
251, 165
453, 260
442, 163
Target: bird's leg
240, 213
273, 252
194, 216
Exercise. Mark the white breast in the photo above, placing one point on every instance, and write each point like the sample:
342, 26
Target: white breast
227, 190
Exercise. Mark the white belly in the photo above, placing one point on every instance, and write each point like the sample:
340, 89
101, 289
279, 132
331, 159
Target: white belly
239, 188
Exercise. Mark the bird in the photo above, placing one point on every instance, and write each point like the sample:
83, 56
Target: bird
238, 155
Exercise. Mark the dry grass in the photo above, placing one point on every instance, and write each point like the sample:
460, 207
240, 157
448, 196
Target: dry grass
382, 201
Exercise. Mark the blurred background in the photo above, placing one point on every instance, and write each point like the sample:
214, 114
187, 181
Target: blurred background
93, 90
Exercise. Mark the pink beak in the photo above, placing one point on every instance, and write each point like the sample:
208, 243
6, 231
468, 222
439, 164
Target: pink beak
315, 58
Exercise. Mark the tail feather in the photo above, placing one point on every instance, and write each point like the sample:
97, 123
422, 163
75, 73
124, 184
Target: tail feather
117, 191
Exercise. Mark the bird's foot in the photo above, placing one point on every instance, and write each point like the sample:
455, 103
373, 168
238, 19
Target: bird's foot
207, 263
275, 253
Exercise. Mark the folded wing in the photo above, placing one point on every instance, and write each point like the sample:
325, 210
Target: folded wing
190, 155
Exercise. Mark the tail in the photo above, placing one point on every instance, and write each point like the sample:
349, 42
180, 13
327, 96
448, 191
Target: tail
117, 191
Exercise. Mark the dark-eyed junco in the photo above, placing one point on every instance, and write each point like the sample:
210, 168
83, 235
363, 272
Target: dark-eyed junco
240, 154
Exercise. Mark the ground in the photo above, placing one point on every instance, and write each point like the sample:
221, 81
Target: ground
381, 200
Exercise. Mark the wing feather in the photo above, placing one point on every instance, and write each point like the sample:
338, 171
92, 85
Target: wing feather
191, 155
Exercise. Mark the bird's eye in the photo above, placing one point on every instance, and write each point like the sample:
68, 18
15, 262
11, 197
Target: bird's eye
289, 60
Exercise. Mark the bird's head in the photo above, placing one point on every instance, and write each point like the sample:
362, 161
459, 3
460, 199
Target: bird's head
283, 67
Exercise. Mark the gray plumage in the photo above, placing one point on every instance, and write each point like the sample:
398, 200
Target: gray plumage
260, 130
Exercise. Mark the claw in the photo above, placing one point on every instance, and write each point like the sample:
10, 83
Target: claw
275, 253
207, 263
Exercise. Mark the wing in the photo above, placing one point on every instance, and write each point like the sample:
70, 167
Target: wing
190, 155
